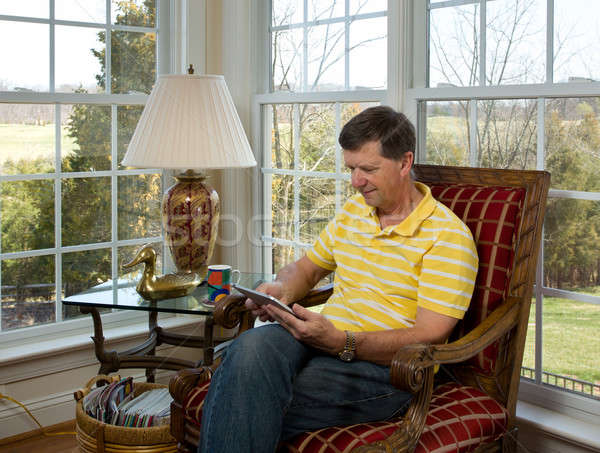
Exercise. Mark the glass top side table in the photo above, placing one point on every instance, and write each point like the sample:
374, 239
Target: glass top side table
122, 295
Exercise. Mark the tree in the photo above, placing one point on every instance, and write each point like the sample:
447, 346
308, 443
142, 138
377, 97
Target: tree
314, 123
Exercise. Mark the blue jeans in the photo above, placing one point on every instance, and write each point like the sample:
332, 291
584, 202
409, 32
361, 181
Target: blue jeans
271, 387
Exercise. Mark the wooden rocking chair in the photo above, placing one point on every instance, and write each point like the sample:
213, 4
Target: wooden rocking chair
471, 404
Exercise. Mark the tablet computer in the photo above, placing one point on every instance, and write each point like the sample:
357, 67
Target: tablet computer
262, 299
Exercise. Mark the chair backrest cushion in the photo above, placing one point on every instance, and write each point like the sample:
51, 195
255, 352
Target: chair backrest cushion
493, 215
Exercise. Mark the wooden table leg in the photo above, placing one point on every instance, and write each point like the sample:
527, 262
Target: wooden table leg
109, 360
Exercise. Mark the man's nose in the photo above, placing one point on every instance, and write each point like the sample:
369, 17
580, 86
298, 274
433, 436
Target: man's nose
357, 179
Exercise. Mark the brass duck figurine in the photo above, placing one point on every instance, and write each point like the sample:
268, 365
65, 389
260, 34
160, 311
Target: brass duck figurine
152, 287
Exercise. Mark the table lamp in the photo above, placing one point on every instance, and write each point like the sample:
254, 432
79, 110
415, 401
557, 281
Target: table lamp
190, 123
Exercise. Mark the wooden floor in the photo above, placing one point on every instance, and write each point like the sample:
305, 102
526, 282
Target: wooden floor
41, 443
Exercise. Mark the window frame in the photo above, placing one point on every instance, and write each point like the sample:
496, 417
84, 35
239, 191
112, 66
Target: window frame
261, 108
165, 50
533, 391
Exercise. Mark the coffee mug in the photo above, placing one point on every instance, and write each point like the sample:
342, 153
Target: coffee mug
219, 281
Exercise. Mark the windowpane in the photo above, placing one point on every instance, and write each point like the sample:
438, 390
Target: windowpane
313, 55
28, 292
89, 127
516, 42
86, 215
576, 38
81, 271
287, 49
567, 323
25, 8
133, 61
325, 9
368, 53
81, 11
282, 137
127, 119
325, 58
572, 127
139, 206
282, 211
286, 12
79, 59
317, 137
447, 139
454, 46
317, 206
27, 213
20, 73
370, 6
27, 139
571, 253
282, 255
141, 13
507, 133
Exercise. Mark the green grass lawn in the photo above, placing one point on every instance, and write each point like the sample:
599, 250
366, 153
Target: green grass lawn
21, 141
571, 338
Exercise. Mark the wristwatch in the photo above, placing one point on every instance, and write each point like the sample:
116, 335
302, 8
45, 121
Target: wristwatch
349, 351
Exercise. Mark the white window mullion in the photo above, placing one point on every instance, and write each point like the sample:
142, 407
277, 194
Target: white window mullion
296, 138
482, 42
338, 157
58, 210
539, 271
305, 47
267, 116
52, 50
108, 52
114, 201
473, 145
347, 45
550, 41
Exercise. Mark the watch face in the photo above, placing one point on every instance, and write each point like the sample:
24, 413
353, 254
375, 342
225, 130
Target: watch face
347, 356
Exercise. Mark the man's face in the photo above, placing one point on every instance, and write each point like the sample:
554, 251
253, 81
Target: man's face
380, 180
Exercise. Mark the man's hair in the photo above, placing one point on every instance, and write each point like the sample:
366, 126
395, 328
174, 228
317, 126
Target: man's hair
395, 132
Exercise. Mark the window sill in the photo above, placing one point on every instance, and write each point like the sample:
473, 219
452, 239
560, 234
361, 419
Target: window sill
75, 349
563, 429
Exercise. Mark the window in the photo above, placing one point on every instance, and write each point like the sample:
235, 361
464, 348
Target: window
516, 84
73, 83
328, 61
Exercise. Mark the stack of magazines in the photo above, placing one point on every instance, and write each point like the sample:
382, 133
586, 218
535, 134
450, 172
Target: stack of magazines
115, 404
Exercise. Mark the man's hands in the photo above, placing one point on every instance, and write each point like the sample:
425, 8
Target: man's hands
313, 329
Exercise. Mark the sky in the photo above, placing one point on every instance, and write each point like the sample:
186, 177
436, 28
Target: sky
24, 47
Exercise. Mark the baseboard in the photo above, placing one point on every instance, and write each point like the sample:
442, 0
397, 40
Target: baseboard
68, 426
52, 409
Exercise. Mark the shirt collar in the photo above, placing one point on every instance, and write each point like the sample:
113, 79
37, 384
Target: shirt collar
409, 226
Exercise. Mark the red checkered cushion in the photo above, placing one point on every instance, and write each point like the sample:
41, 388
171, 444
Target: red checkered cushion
194, 401
459, 419
493, 215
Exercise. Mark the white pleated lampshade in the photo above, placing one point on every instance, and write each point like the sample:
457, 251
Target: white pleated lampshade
189, 122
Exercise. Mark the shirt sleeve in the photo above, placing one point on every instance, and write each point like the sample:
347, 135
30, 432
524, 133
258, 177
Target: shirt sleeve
448, 273
321, 252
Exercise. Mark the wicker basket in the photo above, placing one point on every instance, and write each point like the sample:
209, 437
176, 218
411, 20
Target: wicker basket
94, 436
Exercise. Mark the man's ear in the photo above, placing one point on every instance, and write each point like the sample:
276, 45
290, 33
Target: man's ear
407, 161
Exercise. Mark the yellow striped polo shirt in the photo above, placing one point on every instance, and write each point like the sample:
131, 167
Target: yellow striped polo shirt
428, 260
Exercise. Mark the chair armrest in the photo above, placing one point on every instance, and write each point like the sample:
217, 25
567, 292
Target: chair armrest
185, 380
408, 365
231, 310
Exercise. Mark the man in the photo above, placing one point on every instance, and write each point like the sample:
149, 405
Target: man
405, 268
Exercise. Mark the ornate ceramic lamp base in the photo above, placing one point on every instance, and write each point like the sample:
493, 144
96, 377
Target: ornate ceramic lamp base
190, 214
